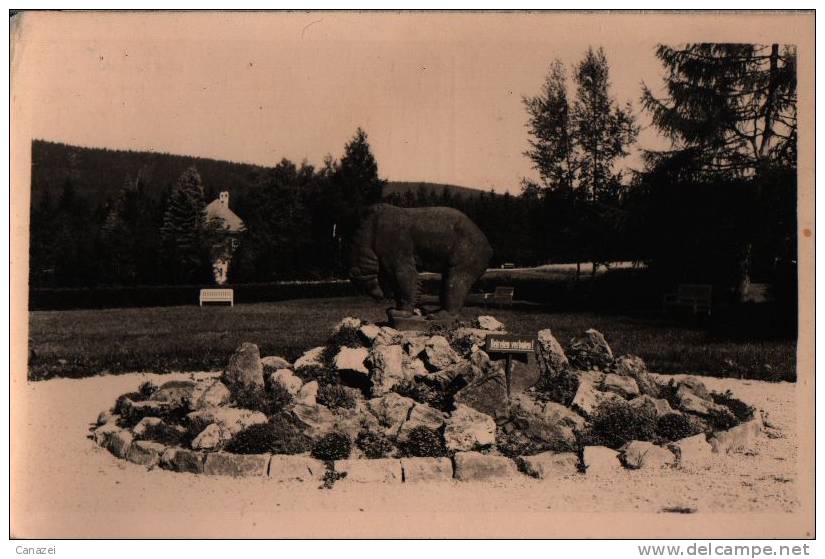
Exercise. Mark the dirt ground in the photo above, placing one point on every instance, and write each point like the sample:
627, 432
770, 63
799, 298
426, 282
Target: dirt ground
63, 485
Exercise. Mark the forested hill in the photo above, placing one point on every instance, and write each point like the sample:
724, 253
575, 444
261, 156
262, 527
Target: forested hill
97, 174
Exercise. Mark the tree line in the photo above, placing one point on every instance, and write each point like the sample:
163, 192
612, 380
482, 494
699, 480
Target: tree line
718, 206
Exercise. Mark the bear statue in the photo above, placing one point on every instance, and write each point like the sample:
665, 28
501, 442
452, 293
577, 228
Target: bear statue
393, 244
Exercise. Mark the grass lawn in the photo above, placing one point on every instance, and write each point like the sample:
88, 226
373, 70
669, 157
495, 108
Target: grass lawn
83, 343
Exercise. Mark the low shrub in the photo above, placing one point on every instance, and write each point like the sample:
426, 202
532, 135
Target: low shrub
346, 336
721, 420
438, 398
675, 426
281, 435
324, 375
332, 446
423, 442
330, 477
740, 410
267, 401
616, 423
146, 389
561, 389
335, 396
514, 444
120, 403
373, 445
166, 434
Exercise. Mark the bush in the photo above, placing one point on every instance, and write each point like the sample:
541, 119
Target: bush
423, 442
269, 402
721, 420
740, 410
324, 375
373, 445
346, 336
425, 394
120, 403
514, 444
166, 434
332, 446
561, 389
616, 423
146, 389
281, 435
675, 426
336, 396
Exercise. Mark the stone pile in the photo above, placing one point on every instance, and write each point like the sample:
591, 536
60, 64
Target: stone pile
398, 387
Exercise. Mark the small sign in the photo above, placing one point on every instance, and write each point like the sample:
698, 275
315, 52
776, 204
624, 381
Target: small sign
509, 343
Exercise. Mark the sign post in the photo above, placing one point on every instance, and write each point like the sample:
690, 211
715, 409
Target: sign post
509, 347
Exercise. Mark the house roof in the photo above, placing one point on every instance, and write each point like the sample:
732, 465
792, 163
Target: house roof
218, 210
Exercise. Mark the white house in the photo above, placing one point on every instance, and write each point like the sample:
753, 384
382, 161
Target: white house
218, 213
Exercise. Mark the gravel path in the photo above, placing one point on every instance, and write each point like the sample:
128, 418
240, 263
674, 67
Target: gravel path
63, 485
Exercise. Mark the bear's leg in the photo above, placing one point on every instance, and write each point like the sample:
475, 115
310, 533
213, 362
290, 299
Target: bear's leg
455, 284
406, 288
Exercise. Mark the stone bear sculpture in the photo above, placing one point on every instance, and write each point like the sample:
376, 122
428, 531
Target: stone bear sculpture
393, 244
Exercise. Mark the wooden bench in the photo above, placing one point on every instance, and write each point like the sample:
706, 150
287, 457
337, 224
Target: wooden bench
694, 296
217, 296
501, 296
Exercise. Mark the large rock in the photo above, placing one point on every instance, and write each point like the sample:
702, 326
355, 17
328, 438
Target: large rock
623, 386
438, 354
634, 367
212, 436
468, 429
489, 323
545, 423
308, 394
349, 322
487, 392
311, 358
391, 410
287, 379
236, 465
316, 421
694, 451
118, 442
145, 453
387, 336
284, 467
146, 426
272, 363
426, 469
234, 420
588, 398
386, 368
600, 460
693, 403
590, 350
475, 466
135, 411
696, 386
413, 367
182, 460
102, 433
414, 345
351, 359
657, 406
209, 393
380, 470
245, 370
549, 465
642, 454
737, 439
369, 332
353, 421
550, 355
177, 393
421, 415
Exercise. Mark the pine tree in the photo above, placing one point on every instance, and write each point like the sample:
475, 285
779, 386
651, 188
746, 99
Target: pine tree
732, 109
183, 230
357, 174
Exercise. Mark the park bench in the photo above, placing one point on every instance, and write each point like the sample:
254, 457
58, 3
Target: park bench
508, 266
217, 296
501, 296
694, 296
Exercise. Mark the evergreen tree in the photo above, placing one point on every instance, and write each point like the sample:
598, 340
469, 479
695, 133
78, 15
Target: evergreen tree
357, 174
732, 109
116, 244
183, 230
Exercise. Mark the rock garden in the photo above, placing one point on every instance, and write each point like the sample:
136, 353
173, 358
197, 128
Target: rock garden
380, 405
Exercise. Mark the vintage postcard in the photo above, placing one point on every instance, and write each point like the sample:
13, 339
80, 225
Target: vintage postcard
475, 274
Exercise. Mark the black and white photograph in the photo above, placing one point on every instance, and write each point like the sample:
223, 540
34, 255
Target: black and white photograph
407, 274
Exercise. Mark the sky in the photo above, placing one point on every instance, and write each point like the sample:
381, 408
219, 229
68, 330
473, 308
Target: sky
438, 94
